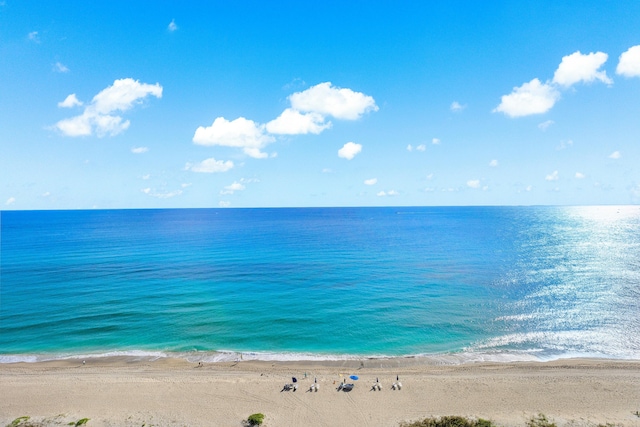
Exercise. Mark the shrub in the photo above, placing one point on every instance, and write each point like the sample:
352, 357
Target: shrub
18, 421
255, 419
540, 421
450, 421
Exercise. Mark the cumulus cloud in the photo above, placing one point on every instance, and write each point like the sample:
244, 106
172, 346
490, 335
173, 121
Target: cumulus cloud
139, 150
240, 133
553, 176
70, 101
172, 26
456, 107
99, 116
578, 67
34, 37
629, 62
10, 201
371, 181
389, 193
232, 188
436, 141
493, 163
60, 68
349, 150
210, 166
530, 98
580, 175
536, 97
293, 122
332, 101
308, 113
615, 155
473, 183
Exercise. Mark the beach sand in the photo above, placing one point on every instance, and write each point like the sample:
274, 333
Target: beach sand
123, 391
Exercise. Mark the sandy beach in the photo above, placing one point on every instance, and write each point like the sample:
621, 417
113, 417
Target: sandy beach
127, 392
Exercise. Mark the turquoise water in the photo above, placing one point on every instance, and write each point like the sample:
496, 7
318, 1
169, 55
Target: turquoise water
454, 284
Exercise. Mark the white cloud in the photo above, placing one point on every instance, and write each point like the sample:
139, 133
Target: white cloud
123, 95
530, 98
293, 122
349, 150
172, 26
327, 100
456, 107
545, 125
146, 177
629, 62
493, 163
389, 193
98, 116
580, 175
435, 141
34, 37
371, 181
473, 183
224, 204
240, 133
565, 144
163, 195
577, 68
232, 188
186, 184
10, 201
210, 166
327, 170
139, 150
70, 101
430, 177
553, 176
420, 147
615, 155
60, 67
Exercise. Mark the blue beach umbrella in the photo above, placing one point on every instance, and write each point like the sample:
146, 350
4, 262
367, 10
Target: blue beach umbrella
354, 377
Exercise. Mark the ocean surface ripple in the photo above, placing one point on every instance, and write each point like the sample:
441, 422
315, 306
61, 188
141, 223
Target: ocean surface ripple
453, 284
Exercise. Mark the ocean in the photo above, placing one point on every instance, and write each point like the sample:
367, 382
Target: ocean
452, 284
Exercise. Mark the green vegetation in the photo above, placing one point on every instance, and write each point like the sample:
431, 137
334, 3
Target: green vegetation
25, 422
18, 421
450, 421
540, 421
255, 419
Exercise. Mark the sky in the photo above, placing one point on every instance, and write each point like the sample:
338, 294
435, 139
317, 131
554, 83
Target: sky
206, 104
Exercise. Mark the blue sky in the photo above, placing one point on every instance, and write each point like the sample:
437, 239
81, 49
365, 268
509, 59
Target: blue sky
267, 104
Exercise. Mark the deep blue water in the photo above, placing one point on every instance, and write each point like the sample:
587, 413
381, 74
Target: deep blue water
452, 283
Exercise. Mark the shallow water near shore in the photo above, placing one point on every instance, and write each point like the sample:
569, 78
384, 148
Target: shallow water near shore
457, 284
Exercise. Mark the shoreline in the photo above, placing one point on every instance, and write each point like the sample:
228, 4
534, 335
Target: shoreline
121, 391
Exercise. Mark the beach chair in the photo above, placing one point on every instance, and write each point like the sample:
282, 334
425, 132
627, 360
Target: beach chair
293, 386
397, 385
347, 387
